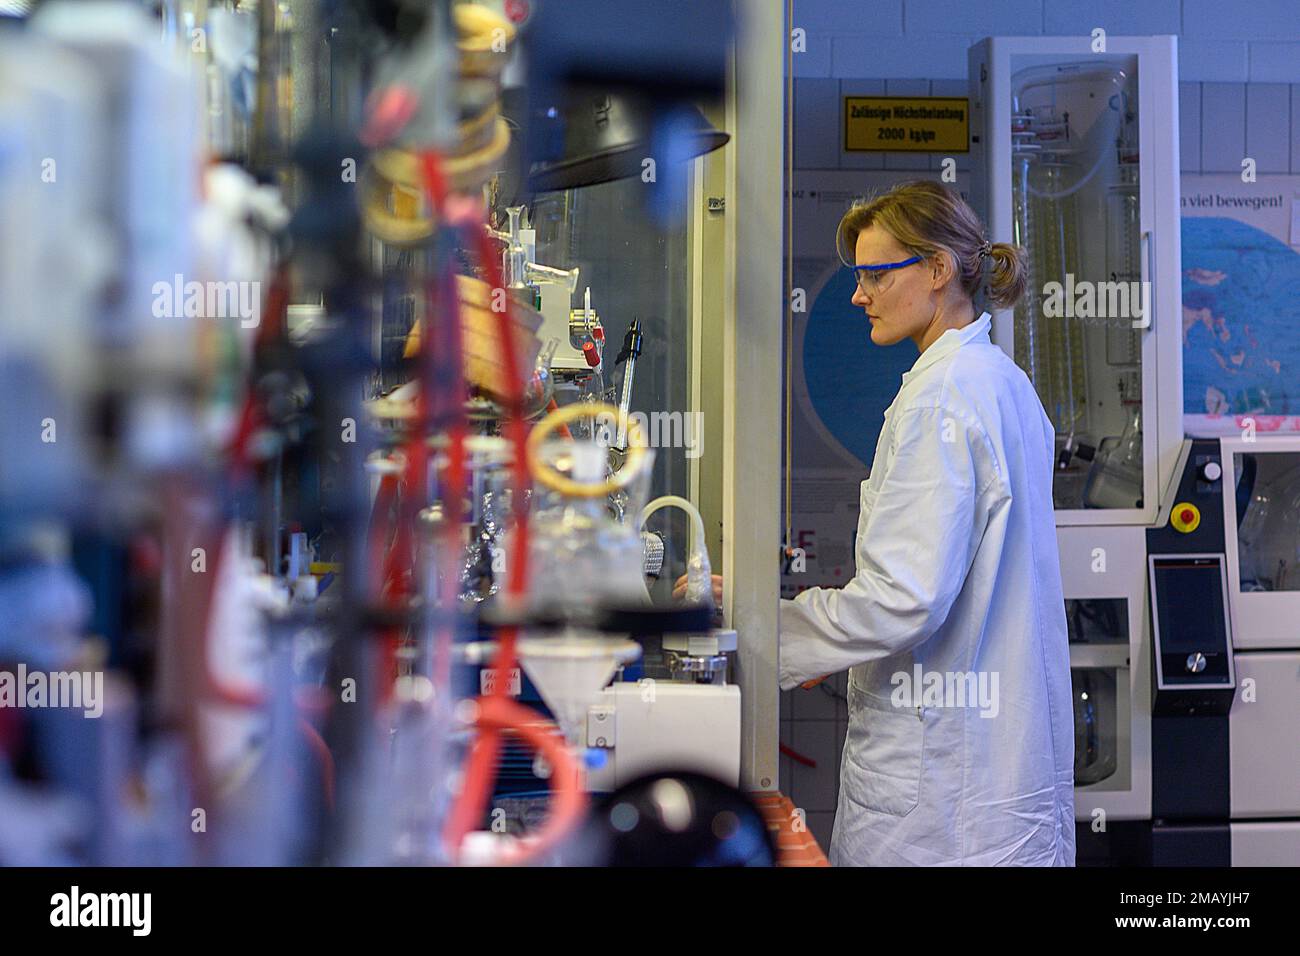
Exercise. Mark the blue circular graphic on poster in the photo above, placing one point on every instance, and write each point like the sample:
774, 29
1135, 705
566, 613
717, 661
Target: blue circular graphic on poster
1241, 312
850, 379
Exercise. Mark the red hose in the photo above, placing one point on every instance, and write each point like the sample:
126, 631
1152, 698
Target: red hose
481, 765
797, 757
277, 307
384, 554
568, 798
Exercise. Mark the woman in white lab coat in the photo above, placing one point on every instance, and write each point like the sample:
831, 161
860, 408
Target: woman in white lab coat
960, 748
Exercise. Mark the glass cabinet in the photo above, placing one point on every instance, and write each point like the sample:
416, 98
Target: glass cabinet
1261, 510
1076, 163
1103, 570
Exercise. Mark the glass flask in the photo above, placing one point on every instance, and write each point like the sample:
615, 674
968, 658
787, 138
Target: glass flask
585, 550
1115, 478
1268, 535
1095, 743
483, 567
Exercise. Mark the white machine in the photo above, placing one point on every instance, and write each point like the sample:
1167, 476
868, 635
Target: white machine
1185, 678
631, 728
691, 722
1261, 500
665, 725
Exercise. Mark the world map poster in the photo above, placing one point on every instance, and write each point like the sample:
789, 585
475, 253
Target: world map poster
1241, 304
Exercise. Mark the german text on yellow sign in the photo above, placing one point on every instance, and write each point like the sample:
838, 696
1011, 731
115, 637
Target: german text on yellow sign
912, 124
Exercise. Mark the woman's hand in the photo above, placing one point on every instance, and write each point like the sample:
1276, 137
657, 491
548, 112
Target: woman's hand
679, 589
679, 592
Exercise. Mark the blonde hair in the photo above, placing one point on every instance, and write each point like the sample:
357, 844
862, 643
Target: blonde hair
929, 220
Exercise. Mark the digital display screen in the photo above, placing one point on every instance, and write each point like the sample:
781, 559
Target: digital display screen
1190, 614
1189, 597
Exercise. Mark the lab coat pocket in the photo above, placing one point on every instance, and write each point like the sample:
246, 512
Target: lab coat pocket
882, 759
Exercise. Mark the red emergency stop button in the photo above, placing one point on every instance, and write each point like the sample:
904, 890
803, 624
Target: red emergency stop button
1186, 517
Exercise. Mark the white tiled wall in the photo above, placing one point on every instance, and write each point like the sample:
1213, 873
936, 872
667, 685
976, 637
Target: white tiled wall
813, 723
1259, 120
1220, 41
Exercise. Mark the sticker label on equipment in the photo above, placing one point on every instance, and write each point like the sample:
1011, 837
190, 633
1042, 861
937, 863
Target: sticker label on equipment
908, 124
487, 679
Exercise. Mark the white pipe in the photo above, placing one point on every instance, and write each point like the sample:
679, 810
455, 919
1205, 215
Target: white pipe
699, 574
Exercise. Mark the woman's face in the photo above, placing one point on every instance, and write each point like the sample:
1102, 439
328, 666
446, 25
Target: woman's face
898, 302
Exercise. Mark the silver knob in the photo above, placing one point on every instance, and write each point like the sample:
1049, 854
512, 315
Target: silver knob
1196, 663
1211, 471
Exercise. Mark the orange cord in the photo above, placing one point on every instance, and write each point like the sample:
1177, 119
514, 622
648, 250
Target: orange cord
481, 764
568, 798
497, 713
552, 406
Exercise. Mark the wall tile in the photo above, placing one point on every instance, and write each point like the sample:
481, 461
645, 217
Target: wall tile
933, 57
815, 58
1249, 20
1116, 17
1295, 127
1275, 62
1212, 61
816, 123
814, 703
1268, 121
1223, 110
815, 788
1189, 127
1008, 18
881, 17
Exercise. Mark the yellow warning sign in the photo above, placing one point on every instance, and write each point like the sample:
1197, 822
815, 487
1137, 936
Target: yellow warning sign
910, 124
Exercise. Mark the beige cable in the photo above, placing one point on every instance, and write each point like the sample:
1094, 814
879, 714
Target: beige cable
546, 474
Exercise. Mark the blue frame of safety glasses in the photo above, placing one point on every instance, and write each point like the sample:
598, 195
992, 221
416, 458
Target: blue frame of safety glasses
886, 265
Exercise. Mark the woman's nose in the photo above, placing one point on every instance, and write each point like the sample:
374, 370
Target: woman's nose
860, 298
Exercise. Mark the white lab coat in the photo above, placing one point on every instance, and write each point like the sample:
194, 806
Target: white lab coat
957, 573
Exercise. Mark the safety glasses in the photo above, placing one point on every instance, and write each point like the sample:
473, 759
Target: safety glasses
869, 277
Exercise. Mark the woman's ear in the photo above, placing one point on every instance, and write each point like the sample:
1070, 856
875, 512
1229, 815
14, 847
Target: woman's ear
942, 270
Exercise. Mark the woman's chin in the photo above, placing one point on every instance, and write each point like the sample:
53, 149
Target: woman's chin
881, 335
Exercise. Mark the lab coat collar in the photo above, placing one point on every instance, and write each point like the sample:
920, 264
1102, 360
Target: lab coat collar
950, 341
